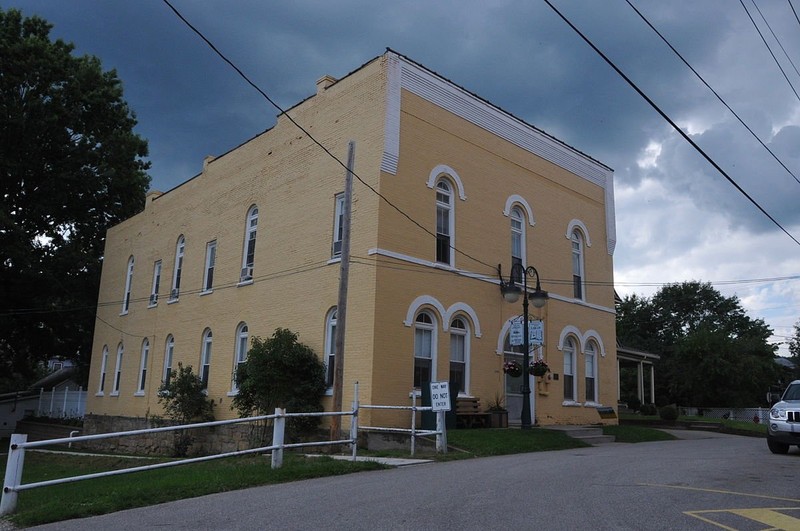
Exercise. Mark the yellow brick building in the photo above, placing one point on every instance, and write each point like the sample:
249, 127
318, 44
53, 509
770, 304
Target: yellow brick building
448, 187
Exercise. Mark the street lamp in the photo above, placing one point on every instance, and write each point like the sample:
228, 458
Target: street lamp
511, 292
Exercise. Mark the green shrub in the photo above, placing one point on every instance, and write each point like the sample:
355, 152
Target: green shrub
669, 412
648, 409
634, 403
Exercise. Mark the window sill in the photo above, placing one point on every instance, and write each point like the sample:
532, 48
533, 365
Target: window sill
232, 393
172, 301
592, 404
114, 393
100, 393
570, 403
138, 393
152, 306
335, 260
206, 292
244, 283
124, 312
329, 391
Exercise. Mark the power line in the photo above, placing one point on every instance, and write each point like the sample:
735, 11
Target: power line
670, 121
768, 49
712, 90
310, 136
769, 27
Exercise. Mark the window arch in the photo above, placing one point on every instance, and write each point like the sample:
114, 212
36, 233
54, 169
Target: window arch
180, 247
118, 371
242, 343
143, 366
103, 369
590, 355
570, 381
169, 351
330, 346
424, 349
205, 357
444, 223
577, 265
249, 251
126, 300
459, 355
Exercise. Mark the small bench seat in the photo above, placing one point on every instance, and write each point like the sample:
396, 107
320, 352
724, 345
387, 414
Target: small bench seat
469, 413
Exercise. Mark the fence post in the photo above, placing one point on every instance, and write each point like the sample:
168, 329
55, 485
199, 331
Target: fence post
64, 409
278, 428
13, 478
354, 423
52, 399
413, 422
441, 435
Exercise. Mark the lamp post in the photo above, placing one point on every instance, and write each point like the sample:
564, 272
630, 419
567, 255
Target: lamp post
511, 292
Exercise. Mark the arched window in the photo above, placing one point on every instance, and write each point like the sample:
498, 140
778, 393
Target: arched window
103, 368
424, 350
517, 242
242, 337
569, 370
169, 350
459, 356
118, 372
249, 251
591, 372
330, 347
180, 247
205, 358
444, 222
143, 366
126, 300
577, 264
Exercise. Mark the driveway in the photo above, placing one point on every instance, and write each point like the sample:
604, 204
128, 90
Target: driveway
703, 481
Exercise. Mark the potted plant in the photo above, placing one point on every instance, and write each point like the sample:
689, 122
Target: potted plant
539, 368
498, 414
512, 368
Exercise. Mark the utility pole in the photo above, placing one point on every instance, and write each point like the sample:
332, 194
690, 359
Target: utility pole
341, 305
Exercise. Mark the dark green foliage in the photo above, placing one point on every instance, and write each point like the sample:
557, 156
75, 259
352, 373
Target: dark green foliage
184, 402
712, 353
70, 167
648, 409
281, 372
669, 412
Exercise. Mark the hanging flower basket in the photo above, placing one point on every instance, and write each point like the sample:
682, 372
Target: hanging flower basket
538, 368
512, 368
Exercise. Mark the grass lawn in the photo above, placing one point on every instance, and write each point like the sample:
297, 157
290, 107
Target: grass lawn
637, 434
104, 495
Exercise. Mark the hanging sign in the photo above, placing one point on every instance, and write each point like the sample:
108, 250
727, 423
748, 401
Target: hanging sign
535, 333
516, 335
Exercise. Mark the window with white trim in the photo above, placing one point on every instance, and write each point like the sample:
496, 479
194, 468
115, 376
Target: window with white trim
249, 251
180, 248
169, 351
156, 283
143, 366
330, 347
242, 339
424, 350
126, 300
205, 358
577, 264
103, 368
118, 372
459, 356
444, 222
338, 224
517, 242
569, 370
211, 258
591, 372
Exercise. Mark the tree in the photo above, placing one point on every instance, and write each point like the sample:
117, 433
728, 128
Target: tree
185, 401
281, 372
70, 167
712, 353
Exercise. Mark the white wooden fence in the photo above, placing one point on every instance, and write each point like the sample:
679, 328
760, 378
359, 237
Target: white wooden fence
62, 403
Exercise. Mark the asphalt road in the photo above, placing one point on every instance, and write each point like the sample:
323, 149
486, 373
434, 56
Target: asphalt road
710, 481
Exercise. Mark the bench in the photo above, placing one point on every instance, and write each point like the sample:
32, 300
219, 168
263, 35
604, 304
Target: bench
469, 414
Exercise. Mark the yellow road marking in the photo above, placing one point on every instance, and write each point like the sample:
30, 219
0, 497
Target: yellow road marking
718, 491
771, 517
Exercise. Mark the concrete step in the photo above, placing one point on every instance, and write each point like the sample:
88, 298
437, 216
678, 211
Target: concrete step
588, 434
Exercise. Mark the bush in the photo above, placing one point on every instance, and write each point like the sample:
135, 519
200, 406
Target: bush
648, 409
669, 412
634, 403
185, 401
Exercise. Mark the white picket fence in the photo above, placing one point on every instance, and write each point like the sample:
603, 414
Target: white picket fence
758, 415
62, 403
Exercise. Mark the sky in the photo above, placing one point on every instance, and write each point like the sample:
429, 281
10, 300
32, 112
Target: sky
678, 218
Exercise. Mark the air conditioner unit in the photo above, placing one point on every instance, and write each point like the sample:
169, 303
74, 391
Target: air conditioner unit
174, 293
247, 274
153, 298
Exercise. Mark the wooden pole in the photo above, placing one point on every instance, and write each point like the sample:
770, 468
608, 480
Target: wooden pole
341, 305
